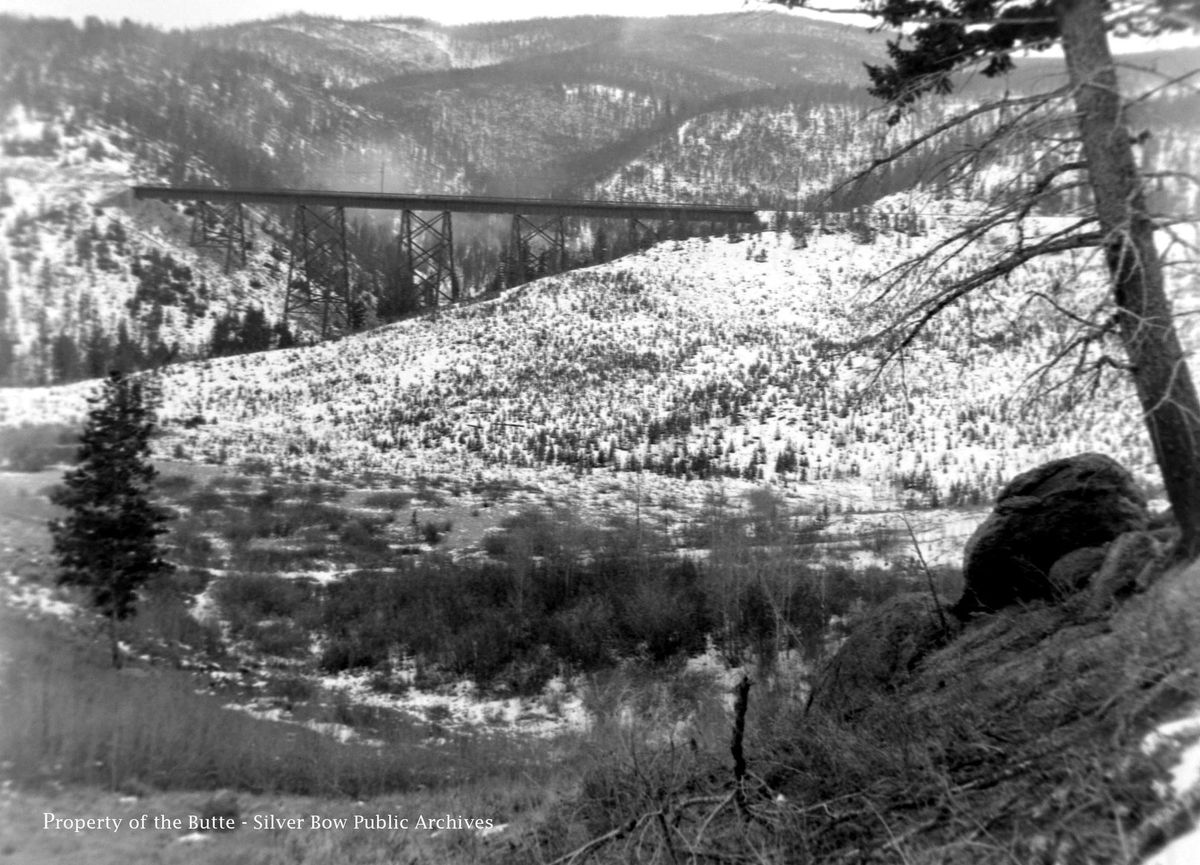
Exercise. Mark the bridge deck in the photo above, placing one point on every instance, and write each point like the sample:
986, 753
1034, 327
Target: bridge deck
455, 203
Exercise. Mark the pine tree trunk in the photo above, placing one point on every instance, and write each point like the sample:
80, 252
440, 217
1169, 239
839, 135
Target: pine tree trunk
1160, 372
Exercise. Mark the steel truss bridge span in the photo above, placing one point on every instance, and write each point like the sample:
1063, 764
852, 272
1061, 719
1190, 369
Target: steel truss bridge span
319, 268
455, 203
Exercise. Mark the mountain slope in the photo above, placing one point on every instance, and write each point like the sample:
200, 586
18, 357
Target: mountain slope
400, 104
310, 103
735, 107
89, 278
699, 361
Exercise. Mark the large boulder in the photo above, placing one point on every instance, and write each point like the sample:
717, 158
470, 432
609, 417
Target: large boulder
879, 655
1039, 517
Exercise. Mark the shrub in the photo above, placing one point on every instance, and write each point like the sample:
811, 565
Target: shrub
207, 499
359, 538
293, 688
312, 513
353, 649
173, 484
876, 585
358, 596
808, 617
391, 499
528, 673
383, 682
188, 542
188, 581
583, 634
363, 617
166, 623
250, 598
433, 532
256, 466
664, 621
322, 492
754, 624
281, 638
495, 542
532, 530
483, 648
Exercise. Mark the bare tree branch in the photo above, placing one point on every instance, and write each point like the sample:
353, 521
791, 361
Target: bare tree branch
1036, 102
959, 289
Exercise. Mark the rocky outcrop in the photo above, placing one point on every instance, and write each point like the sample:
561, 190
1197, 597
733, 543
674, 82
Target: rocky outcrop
1065, 505
1073, 528
879, 655
1074, 571
1132, 561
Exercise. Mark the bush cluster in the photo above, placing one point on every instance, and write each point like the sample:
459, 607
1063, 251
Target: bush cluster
554, 596
516, 626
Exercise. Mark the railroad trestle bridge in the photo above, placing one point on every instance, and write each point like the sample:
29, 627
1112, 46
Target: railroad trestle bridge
320, 267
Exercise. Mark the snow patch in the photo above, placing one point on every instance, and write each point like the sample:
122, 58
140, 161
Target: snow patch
1183, 736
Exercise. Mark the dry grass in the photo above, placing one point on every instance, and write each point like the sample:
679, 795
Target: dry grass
69, 718
1018, 742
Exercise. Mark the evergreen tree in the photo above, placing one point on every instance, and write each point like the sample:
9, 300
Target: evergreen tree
226, 339
283, 336
8, 355
65, 359
255, 332
97, 353
356, 315
127, 355
108, 541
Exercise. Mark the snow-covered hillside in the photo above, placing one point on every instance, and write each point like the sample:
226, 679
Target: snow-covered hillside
697, 363
86, 272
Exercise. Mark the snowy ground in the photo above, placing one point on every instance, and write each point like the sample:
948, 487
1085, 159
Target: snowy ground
1183, 738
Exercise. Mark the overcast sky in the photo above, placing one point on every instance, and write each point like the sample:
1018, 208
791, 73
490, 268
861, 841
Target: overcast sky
189, 14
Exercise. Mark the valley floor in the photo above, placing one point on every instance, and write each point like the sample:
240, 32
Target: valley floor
430, 789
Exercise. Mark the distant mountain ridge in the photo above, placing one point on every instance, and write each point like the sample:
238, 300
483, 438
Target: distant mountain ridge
319, 102
755, 107
745, 49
